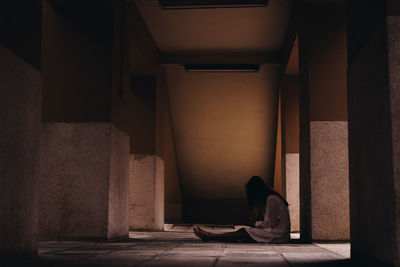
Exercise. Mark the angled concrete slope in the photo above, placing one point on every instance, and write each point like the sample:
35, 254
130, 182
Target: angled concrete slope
225, 127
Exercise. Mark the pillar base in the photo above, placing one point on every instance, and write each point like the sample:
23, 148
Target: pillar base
146, 204
330, 215
84, 181
293, 189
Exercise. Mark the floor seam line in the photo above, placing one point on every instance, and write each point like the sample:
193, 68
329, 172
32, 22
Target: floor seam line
314, 244
283, 257
216, 261
155, 256
218, 257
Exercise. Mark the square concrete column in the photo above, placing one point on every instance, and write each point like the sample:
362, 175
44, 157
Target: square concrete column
324, 190
146, 204
20, 98
374, 130
20, 112
84, 181
290, 106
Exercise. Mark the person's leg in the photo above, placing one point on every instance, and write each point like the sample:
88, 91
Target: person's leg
240, 235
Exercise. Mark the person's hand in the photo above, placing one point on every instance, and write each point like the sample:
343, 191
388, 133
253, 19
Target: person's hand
258, 224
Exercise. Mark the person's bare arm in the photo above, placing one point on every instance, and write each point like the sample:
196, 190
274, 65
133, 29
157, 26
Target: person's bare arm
255, 215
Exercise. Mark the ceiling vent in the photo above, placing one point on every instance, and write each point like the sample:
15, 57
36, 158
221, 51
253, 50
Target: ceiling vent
202, 4
222, 67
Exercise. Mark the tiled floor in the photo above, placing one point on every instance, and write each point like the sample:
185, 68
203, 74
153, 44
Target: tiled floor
179, 247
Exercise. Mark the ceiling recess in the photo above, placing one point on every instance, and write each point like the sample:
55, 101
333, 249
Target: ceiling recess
203, 4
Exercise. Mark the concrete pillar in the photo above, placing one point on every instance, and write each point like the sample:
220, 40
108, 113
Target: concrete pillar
146, 204
146, 194
290, 105
85, 158
20, 109
374, 130
323, 124
84, 181
77, 63
292, 176
20, 97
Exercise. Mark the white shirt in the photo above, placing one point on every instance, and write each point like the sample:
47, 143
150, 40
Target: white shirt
275, 228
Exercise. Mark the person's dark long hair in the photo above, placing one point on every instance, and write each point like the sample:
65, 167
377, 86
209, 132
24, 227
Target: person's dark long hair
257, 193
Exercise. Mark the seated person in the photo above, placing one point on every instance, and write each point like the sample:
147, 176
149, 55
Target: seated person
269, 218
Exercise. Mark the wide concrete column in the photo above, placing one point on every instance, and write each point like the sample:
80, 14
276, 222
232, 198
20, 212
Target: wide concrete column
85, 157
323, 124
20, 109
146, 204
374, 130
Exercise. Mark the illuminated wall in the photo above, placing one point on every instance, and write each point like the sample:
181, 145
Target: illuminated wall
225, 127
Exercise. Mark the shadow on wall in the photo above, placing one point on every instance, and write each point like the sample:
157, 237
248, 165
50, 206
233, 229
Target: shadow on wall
217, 211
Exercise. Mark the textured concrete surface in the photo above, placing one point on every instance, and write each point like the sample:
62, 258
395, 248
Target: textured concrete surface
84, 178
374, 133
393, 23
182, 249
330, 215
118, 206
146, 192
20, 109
293, 189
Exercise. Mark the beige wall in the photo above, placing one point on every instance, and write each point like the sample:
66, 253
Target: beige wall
225, 127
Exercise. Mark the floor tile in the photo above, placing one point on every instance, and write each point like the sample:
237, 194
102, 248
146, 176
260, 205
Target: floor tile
183, 248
